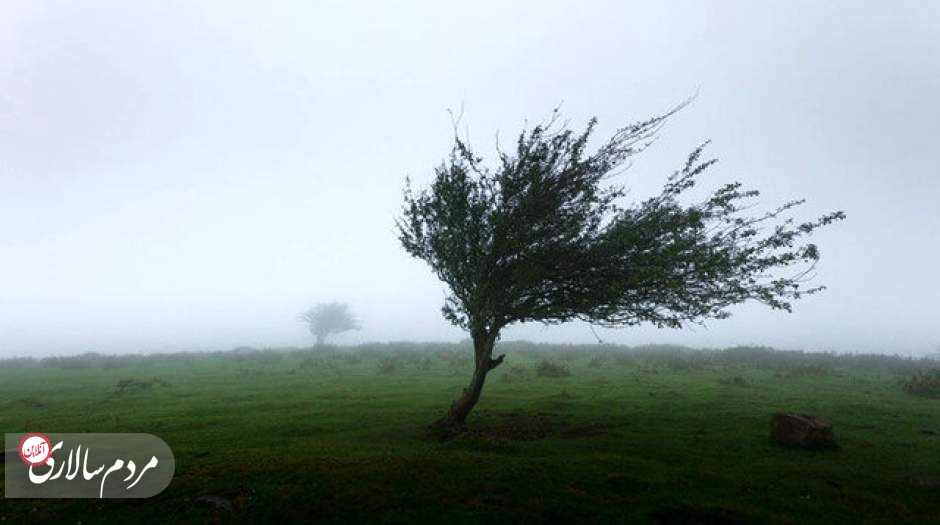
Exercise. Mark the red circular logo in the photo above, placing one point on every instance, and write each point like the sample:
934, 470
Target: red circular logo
35, 449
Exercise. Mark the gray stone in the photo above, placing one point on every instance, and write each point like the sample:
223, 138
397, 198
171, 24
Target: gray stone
801, 431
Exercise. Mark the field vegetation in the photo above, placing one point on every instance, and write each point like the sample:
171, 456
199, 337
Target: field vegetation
593, 433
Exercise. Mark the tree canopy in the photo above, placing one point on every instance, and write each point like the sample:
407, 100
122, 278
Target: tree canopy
325, 319
545, 236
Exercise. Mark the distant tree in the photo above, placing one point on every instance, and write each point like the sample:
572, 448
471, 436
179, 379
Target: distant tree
325, 319
541, 237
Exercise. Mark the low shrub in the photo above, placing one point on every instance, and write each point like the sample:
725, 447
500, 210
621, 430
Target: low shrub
516, 374
734, 381
547, 368
424, 364
386, 367
810, 370
317, 362
135, 385
924, 384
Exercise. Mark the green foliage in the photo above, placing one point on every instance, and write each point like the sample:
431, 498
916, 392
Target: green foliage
387, 366
810, 370
617, 446
547, 368
925, 383
517, 374
734, 380
325, 319
456, 355
318, 362
543, 237
128, 385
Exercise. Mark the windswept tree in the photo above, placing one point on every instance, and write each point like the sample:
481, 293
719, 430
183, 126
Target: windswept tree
543, 236
325, 319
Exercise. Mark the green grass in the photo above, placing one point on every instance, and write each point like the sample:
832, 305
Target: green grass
646, 435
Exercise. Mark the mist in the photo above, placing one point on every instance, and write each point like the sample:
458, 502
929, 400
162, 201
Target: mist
192, 175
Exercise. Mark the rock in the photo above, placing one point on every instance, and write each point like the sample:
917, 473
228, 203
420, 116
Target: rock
218, 502
801, 431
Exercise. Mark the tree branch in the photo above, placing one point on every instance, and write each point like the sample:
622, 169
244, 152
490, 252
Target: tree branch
493, 363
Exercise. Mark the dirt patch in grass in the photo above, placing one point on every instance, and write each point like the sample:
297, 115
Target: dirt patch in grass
519, 426
514, 426
125, 386
29, 402
579, 431
627, 486
698, 515
484, 502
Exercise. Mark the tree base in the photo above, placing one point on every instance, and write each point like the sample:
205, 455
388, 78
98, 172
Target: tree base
446, 428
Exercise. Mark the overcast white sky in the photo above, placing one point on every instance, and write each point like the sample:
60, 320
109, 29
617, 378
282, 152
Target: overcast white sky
190, 175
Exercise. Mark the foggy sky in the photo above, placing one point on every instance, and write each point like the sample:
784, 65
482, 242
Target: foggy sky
191, 175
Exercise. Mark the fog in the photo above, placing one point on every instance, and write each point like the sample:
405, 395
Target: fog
191, 175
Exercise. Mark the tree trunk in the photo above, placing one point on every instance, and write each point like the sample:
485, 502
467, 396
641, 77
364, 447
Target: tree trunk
454, 421
321, 338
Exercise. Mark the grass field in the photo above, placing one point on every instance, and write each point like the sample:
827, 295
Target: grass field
563, 433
